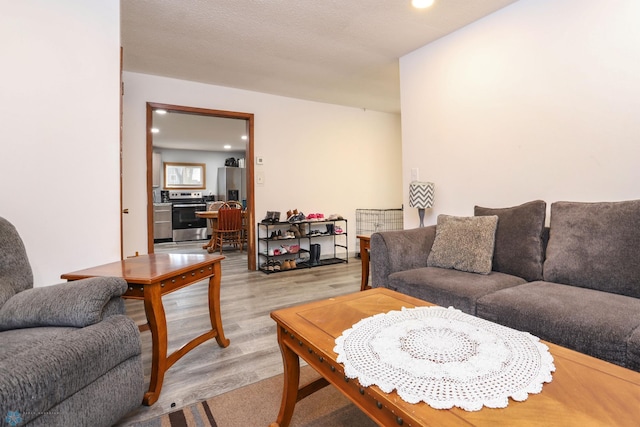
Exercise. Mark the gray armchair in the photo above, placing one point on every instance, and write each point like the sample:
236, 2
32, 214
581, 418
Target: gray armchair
68, 354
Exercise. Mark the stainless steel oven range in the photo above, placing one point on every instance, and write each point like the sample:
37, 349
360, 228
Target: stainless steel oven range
184, 222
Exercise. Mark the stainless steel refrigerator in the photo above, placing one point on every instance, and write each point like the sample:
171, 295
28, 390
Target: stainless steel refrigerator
232, 184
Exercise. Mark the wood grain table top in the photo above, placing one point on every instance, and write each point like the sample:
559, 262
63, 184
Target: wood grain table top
147, 269
585, 391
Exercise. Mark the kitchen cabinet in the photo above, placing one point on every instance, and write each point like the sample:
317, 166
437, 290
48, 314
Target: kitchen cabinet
162, 230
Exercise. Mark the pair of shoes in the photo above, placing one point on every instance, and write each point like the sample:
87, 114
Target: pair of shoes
315, 217
276, 235
338, 230
289, 264
292, 249
269, 265
296, 217
272, 217
335, 217
290, 213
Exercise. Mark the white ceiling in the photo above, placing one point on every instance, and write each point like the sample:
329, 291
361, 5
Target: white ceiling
334, 51
197, 132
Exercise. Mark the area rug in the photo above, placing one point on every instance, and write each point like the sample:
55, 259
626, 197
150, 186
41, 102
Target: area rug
257, 405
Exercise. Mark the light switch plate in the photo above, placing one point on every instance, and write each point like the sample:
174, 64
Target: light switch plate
259, 160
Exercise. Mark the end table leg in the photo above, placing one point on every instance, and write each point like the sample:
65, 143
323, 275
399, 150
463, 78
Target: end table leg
158, 326
214, 305
291, 363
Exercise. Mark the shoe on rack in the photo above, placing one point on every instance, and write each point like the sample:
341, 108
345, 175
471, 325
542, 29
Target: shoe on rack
267, 218
294, 230
277, 266
335, 217
338, 230
319, 217
292, 264
311, 217
286, 265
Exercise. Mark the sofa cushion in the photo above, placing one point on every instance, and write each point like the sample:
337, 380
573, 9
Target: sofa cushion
519, 246
589, 321
447, 287
464, 243
595, 245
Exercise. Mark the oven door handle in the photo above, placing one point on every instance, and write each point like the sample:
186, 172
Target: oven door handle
192, 205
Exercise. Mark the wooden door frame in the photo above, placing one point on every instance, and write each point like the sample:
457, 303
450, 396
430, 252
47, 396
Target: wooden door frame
249, 169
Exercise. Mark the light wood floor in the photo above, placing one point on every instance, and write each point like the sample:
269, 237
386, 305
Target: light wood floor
247, 298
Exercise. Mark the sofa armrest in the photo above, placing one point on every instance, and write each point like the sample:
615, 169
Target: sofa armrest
77, 304
393, 251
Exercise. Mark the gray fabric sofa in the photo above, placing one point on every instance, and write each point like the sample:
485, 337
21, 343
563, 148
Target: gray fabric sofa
575, 283
68, 354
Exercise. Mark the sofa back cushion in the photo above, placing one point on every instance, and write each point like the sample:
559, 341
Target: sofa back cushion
596, 246
520, 242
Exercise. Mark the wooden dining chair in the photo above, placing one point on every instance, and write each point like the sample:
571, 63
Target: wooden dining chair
237, 204
228, 229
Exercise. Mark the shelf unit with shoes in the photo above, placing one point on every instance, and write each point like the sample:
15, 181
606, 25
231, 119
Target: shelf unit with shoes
285, 246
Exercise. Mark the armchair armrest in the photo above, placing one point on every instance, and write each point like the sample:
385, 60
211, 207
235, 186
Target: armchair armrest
393, 251
78, 304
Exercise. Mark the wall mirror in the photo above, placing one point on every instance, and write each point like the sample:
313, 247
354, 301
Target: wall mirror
184, 176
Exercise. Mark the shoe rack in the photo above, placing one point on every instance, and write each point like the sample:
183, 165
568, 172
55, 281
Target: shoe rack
285, 246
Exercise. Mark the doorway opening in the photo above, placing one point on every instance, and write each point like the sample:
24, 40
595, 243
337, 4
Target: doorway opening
152, 183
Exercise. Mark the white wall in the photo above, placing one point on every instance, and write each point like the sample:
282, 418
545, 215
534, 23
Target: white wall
318, 158
538, 100
59, 85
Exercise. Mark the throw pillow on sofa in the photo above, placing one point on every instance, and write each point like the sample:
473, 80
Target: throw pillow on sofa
464, 243
519, 247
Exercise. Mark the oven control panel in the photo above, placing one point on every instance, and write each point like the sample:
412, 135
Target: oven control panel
185, 195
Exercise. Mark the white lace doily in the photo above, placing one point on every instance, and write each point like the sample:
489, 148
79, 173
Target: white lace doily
445, 358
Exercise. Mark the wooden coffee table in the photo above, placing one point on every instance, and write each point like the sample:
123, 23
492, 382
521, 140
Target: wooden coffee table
149, 278
584, 392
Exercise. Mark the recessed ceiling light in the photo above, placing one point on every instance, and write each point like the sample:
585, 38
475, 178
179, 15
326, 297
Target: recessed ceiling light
155, 130
421, 4
227, 147
161, 111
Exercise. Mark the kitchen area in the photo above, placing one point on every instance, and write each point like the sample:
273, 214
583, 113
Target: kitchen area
196, 161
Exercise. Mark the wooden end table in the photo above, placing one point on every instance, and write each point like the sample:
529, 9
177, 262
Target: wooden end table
585, 391
365, 246
149, 278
